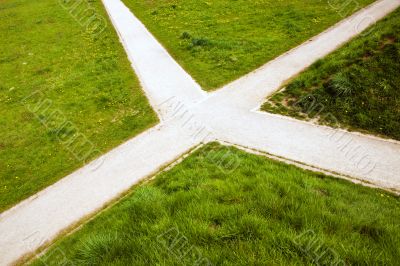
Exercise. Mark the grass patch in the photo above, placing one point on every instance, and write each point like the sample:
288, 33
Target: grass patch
261, 212
356, 87
221, 40
84, 78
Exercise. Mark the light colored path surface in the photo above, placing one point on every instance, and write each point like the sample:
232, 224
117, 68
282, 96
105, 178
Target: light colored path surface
190, 116
40, 218
161, 77
362, 157
250, 91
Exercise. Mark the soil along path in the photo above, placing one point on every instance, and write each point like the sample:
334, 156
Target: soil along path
189, 118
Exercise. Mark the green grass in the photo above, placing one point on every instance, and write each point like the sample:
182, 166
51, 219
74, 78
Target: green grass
356, 87
86, 77
221, 40
262, 212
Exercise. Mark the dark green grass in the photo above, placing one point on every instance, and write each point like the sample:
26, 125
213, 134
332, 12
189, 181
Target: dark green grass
262, 212
218, 41
357, 87
86, 77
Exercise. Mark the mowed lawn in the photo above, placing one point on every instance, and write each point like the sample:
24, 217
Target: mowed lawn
227, 207
218, 41
356, 87
67, 94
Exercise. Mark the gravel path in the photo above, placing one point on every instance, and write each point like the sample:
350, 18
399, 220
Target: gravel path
190, 116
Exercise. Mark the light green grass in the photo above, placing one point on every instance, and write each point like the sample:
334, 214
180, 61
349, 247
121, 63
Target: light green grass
218, 41
356, 87
86, 77
262, 212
